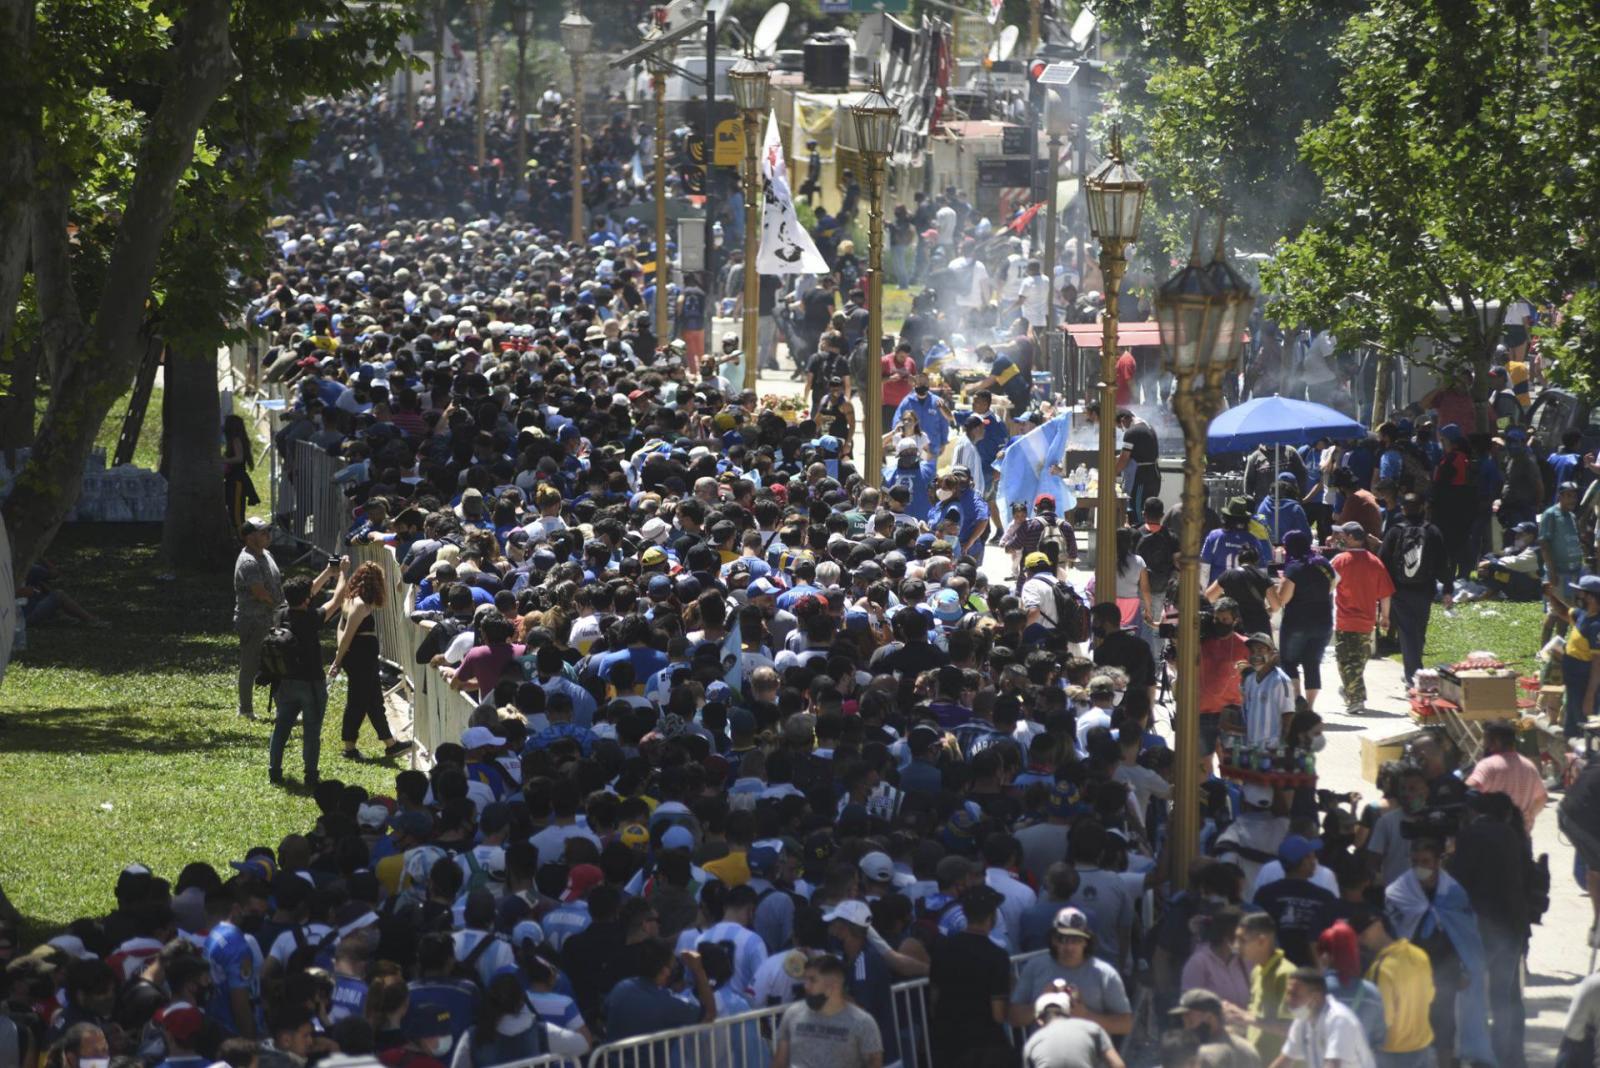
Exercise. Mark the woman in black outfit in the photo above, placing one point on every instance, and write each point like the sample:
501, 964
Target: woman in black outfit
359, 598
237, 459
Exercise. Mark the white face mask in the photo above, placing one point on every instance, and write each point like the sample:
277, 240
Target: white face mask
1301, 1012
1423, 874
441, 1045
94, 1062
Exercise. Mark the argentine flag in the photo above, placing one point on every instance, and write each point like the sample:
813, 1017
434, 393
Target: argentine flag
733, 659
1025, 468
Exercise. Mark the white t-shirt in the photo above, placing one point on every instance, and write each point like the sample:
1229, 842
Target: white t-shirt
1335, 1034
1272, 871
944, 220
552, 841
1035, 292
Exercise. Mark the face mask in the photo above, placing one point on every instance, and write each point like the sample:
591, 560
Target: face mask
922, 391
1423, 874
250, 924
94, 1062
440, 1046
1415, 804
1319, 743
1256, 660
814, 1002
945, 495
1301, 1012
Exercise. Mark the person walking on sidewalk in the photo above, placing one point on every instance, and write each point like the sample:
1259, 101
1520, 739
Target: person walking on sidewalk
257, 596
1418, 560
1360, 604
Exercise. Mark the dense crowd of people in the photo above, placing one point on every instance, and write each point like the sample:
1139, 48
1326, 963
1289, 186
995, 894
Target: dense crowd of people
756, 727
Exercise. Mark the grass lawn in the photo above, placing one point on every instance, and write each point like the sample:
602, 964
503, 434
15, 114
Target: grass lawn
122, 745
1508, 629
147, 451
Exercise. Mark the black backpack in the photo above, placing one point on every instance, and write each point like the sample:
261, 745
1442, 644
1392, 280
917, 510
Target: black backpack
278, 652
1072, 615
1052, 541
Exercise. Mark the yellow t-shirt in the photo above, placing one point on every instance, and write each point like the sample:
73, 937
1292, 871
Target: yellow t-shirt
389, 871
1404, 976
1268, 985
733, 869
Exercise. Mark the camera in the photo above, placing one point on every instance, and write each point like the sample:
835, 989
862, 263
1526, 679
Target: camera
1439, 822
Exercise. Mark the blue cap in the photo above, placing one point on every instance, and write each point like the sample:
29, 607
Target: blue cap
1451, 432
947, 606
677, 837
568, 432
762, 860
1516, 433
1063, 798
1296, 848
827, 443
855, 619
660, 587
1588, 584
1403, 425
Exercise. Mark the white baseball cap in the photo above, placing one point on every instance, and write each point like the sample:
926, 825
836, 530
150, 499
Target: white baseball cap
479, 738
855, 912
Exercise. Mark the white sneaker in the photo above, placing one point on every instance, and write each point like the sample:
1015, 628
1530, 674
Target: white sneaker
1354, 710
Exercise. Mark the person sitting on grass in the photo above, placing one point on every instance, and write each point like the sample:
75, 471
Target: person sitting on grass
42, 601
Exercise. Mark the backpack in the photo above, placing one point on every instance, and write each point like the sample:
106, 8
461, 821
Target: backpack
467, 967
1414, 474
278, 652
1413, 544
321, 951
1052, 542
1538, 888
477, 876
1072, 615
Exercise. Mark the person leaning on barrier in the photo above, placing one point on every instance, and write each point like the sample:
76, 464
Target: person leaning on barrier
1065, 1040
825, 1028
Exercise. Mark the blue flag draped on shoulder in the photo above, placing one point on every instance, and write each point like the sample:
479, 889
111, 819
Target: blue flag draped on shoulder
1025, 468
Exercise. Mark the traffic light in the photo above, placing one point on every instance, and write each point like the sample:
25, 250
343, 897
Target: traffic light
1036, 89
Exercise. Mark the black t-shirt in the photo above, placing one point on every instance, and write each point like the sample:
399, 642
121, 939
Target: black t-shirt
767, 301
1131, 654
1312, 604
818, 306
1141, 439
1299, 908
1248, 586
967, 972
908, 659
823, 366
306, 626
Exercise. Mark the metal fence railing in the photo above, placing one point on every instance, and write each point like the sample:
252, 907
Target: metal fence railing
321, 511
549, 1060
744, 1040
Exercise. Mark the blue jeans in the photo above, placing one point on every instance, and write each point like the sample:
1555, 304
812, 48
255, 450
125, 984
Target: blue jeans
1417, 1058
900, 262
1410, 610
1300, 650
297, 698
1503, 966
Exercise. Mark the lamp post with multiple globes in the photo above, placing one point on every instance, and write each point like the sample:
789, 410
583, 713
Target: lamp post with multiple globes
751, 80
876, 121
577, 33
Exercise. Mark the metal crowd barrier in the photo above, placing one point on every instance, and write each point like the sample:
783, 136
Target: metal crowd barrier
744, 1040
549, 1060
908, 1002
321, 512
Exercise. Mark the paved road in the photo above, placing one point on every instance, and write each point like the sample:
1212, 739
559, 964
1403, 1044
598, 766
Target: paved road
1558, 956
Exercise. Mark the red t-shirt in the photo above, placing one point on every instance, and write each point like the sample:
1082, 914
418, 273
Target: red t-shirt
1127, 367
1219, 678
484, 664
1363, 582
895, 390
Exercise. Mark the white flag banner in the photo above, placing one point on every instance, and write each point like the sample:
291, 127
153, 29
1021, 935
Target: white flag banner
786, 248
994, 10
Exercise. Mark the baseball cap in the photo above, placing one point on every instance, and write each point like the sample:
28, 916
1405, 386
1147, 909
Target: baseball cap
527, 931
1071, 922
763, 859
677, 838
1034, 560
1352, 527
254, 525
660, 587
582, 879
260, 866
1588, 584
981, 900
947, 606
181, 1020
852, 912
634, 834
1197, 1000
480, 738
653, 556
877, 867
1296, 848
1262, 638
1567, 487
1056, 996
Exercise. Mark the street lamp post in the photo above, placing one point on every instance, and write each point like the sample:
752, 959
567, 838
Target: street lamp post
576, 34
519, 25
1115, 195
657, 65
1202, 312
751, 81
1056, 125
876, 121
478, 15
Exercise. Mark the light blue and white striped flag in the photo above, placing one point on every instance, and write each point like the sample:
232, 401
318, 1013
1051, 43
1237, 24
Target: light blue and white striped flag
1025, 468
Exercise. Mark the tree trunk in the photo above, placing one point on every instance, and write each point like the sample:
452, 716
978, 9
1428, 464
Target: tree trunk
438, 61
102, 361
197, 534
1380, 388
16, 407
19, 120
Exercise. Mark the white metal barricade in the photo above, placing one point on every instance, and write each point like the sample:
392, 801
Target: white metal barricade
741, 1041
549, 1060
908, 1002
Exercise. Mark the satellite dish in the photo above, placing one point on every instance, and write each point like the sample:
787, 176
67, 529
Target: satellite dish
1082, 27
765, 40
715, 8
1001, 50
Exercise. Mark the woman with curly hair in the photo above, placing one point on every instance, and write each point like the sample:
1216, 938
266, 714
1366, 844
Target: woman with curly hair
359, 597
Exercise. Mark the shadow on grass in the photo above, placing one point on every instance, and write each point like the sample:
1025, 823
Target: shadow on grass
96, 729
157, 651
